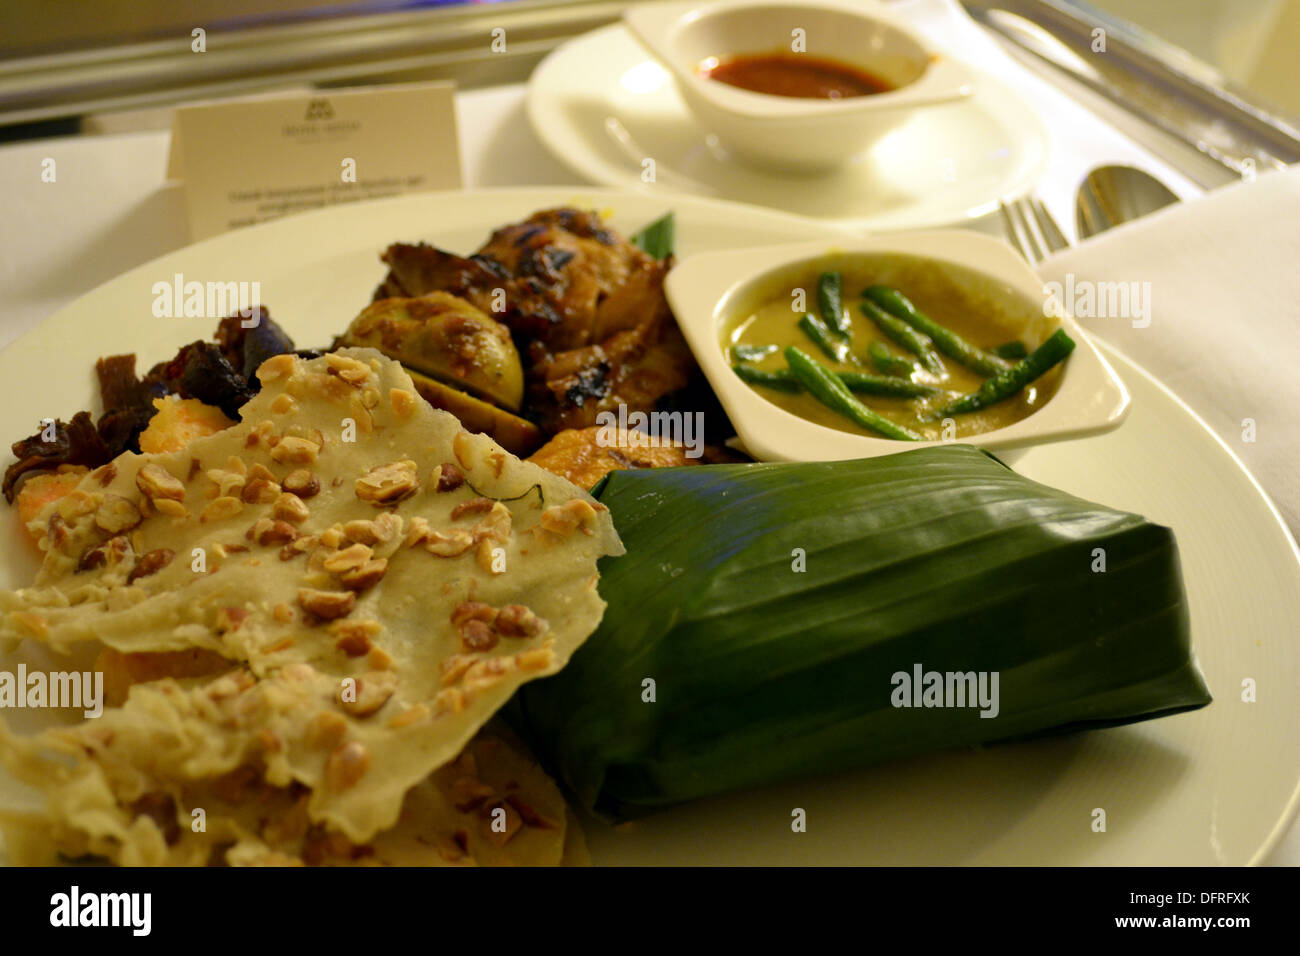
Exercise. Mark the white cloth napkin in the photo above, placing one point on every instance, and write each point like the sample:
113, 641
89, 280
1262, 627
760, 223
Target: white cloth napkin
1224, 332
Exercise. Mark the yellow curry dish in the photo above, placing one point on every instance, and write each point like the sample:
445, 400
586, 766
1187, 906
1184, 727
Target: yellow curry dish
890, 349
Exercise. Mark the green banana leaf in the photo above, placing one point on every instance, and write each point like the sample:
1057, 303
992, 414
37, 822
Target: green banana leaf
758, 623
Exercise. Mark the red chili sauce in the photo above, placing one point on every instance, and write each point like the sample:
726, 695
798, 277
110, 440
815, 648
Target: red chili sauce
794, 74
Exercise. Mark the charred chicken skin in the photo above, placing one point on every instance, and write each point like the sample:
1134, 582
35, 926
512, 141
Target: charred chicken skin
585, 306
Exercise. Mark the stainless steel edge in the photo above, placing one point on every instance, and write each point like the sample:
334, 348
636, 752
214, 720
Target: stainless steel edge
441, 43
1160, 84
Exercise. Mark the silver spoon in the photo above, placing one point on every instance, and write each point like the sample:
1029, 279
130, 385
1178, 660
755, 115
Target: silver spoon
1111, 195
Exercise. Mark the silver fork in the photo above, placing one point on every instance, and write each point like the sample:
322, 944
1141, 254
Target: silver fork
1031, 228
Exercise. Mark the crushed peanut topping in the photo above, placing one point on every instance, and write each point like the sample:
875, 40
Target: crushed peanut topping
289, 507
299, 451
105, 474
326, 605
227, 482
260, 491
404, 402
230, 618
284, 404
564, 519
171, 508
116, 514
326, 730
413, 714
302, 483
388, 484
372, 691
515, 620
366, 576
268, 531
219, 509
349, 369
347, 764
278, 366
449, 545
77, 503
349, 558
474, 506
450, 477
157, 482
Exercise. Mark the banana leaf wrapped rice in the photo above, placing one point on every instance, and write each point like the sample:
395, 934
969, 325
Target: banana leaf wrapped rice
778, 620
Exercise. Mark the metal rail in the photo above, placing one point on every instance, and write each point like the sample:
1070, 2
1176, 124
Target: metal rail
439, 43
1159, 83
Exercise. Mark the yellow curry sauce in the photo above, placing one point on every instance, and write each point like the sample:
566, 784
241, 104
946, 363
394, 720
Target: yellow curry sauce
775, 322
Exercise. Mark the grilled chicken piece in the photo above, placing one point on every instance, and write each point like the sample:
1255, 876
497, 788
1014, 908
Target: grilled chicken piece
637, 301
416, 270
559, 277
587, 303
635, 368
571, 260
586, 455
447, 338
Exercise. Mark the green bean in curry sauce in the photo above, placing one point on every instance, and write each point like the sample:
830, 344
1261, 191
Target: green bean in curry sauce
959, 367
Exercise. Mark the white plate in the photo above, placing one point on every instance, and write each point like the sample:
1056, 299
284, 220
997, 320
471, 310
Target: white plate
603, 106
1214, 786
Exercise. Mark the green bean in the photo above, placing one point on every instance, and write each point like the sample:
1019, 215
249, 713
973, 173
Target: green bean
889, 363
1008, 383
945, 340
830, 302
833, 393
781, 379
816, 330
886, 385
751, 353
1014, 350
906, 336
882, 385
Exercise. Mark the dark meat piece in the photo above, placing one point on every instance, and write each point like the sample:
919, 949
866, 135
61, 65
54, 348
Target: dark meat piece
75, 443
220, 375
201, 371
128, 400
118, 385
80, 442
245, 349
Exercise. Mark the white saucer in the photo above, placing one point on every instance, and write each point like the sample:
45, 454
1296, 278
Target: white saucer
603, 106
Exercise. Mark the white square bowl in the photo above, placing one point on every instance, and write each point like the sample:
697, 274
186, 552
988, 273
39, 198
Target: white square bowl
707, 290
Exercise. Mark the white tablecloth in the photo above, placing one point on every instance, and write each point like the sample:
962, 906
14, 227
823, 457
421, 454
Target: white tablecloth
1222, 324
111, 210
